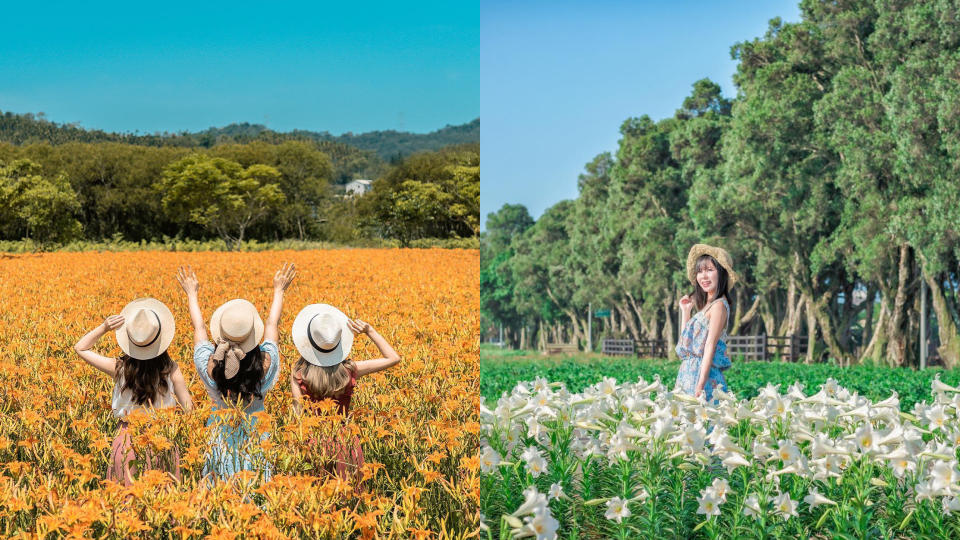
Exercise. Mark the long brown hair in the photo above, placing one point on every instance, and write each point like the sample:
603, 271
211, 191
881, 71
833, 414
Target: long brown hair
723, 280
146, 379
324, 382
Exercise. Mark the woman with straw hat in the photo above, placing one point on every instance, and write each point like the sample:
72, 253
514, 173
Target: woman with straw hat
702, 347
324, 337
144, 377
236, 369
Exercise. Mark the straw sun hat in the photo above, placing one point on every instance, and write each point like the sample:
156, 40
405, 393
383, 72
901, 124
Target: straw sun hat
321, 335
147, 329
717, 253
239, 322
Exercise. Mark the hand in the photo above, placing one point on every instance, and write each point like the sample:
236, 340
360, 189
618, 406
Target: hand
699, 393
686, 303
359, 327
113, 322
284, 277
188, 280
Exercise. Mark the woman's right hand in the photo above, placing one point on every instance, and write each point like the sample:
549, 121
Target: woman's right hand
686, 303
188, 280
113, 322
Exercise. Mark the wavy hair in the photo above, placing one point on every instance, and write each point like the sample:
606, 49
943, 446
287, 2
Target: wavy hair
324, 382
146, 379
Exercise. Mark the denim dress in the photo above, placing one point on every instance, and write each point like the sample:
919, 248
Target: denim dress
690, 348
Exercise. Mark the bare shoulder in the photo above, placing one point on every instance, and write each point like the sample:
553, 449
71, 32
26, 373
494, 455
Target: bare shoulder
718, 309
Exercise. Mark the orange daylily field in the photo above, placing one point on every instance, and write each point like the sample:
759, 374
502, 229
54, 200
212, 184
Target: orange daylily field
417, 421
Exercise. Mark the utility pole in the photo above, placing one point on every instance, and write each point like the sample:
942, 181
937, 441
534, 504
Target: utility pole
923, 324
589, 327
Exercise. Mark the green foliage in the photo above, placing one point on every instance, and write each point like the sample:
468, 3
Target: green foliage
190, 245
500, 372
428, 195
34, 206
220, 194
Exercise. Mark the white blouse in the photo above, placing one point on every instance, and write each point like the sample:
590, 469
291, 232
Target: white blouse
123, 402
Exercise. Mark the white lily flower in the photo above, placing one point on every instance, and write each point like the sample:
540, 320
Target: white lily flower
815, 499
533, 500
709, 503
617, 510
785, 506
751, 506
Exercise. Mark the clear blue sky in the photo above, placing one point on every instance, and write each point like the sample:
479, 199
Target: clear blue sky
172, 66
557, 79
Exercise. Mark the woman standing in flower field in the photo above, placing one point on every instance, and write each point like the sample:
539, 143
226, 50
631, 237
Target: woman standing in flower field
701, 346
144, 376
236, 371
324, 338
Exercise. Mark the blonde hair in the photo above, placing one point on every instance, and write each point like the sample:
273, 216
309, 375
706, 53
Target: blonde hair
325, 382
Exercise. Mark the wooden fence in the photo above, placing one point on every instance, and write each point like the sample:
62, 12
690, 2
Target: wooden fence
762, 347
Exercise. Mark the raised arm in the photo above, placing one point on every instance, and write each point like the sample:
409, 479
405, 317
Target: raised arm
83, 347
718, 318
281, 280
191, 286
390, 356
686, 306
180, 390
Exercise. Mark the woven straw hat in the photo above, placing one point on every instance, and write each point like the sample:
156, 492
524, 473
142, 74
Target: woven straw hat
147, 329
239, 322
720, 254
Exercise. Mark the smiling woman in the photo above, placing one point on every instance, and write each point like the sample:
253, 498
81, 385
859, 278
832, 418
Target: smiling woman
701, 347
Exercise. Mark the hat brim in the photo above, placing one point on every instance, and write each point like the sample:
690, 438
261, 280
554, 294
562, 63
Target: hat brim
721, 255
167, 329
253, 339
301, 337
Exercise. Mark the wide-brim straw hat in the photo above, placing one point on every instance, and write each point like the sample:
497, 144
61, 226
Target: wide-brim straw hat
147, 330
239, 322
321, 335
720, 254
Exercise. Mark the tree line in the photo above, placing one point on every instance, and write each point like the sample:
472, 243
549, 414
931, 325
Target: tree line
372, 147
256, 190
831, 178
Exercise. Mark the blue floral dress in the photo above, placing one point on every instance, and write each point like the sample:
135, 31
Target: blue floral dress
227, 454
690, 348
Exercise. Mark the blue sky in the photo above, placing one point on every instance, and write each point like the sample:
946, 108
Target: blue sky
172, 66
557, 79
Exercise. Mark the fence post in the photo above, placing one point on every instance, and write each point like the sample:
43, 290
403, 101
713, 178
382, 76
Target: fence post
763, 343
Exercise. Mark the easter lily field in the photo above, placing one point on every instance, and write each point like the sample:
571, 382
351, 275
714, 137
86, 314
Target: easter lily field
598, 447
418, 422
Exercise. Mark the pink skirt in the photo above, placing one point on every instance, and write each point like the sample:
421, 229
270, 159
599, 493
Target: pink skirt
344, 455
122, 456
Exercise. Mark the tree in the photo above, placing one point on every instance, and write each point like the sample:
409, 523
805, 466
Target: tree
32, 206
220, 194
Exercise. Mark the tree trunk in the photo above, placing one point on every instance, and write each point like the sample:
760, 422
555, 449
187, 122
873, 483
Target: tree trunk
870, 302
668, 333
896, 331
949, 348
811, 330
627, 316
639, 311
785, 329
742, 319
876, 348
541, 337
523, 337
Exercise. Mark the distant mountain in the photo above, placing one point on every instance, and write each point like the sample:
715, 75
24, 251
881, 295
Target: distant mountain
388, 145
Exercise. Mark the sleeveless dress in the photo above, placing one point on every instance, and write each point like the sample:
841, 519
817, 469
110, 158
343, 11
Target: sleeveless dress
690, 348
343, 450
122, 455
227, 454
